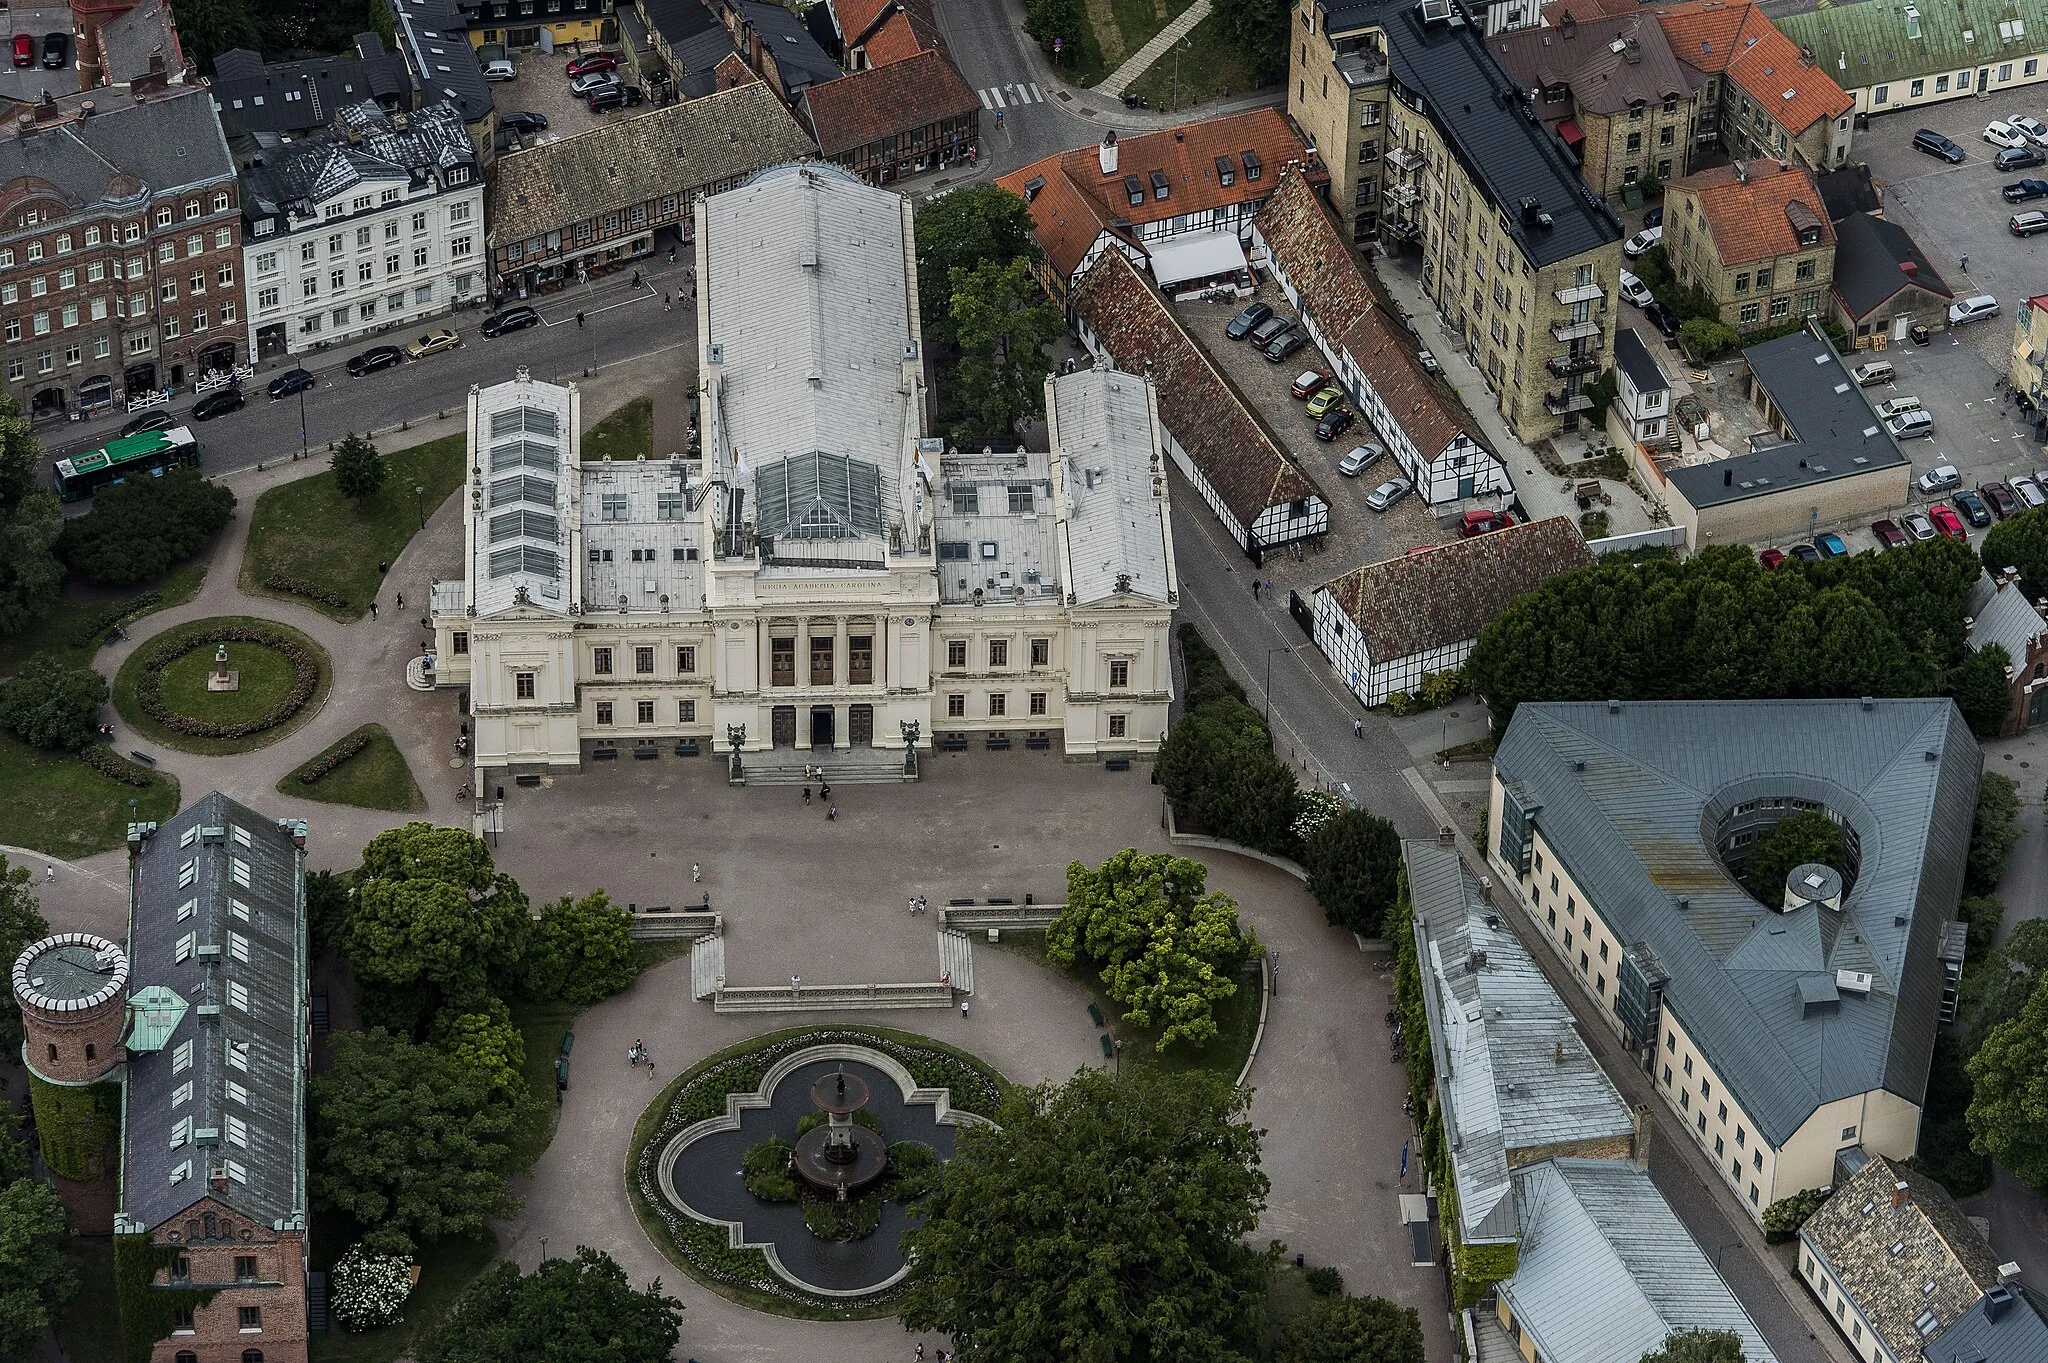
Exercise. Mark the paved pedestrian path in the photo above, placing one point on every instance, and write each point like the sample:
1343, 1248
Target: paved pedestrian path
1138, 63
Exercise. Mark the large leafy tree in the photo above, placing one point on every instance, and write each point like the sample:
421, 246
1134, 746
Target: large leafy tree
2008, 979
1064, 21
1994, 832
580, 1310
432, 912
1354, 867
21, 922
407, 1141
48, 704
2009, 1107
580, 950
1257, 29
358, 467
960, 230
1217, 767
34, 1279
141, 528
1980, 690
483, 1040
1808, 836
1353, 1330
2020, 542
1698, 1346
1163, 949
30, 524
1101, 1219
207, 28
1002, 324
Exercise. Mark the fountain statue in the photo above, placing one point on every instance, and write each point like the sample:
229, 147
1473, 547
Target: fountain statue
840, 1157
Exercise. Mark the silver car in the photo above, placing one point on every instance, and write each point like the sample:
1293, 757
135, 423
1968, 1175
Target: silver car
584, 86
2028, 491
1387, 493
1917, 525
1359, 460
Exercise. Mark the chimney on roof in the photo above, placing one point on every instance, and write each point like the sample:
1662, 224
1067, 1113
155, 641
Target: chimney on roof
2008, 1273
1106, 153
1899, 1191
1639, 1140
1741, 172
1631, 50
1909, 268
1805, 54
1567, 26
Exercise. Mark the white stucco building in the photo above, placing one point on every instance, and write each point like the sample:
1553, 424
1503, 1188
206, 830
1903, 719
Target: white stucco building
375, 224
827, 573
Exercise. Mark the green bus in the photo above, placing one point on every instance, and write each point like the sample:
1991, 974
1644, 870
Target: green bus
150, 452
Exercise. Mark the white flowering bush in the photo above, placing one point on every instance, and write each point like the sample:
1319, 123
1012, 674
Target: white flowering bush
1315, 808
366, 1290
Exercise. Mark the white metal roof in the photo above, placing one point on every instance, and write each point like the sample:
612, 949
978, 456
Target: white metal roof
642, 540
1102, 425
994, 527
1196, 255
523, 450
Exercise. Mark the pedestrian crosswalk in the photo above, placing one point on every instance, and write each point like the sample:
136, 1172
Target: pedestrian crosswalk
1008, 96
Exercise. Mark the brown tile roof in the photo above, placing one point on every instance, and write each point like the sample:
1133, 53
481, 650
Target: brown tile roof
613, 166
1937, 1246
1449, 594
882, 101
1297, 228
1716, 36
1186, 154
1760, 216
1242, 459
886, 30
1581, 57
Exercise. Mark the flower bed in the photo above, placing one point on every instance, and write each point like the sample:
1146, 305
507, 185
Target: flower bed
366, 1290
149, 686
292, 586
107, 763
332, 758
95, 629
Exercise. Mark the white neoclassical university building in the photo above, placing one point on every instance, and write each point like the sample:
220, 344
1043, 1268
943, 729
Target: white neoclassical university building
826, 573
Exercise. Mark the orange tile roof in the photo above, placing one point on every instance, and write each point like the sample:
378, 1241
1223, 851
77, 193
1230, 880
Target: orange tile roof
1186, 154
848, 113
883, 28
1755, 220
1739, 39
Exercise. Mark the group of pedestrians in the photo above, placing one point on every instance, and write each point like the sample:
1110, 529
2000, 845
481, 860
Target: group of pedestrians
639, 1055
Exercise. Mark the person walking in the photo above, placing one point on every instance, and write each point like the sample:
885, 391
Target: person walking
696, 873
401, 600
373, 610
1358, 728
1966, 262
923, 905
650, 1069
671, 255
807, 795
963, 1008
824, 786
913, 906
1256, 584
920, 1348
832, 813
579, 321
49, 874
664, 302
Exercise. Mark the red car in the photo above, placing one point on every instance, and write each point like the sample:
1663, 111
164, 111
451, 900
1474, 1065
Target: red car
596, 61
24, 50
1889, 536
1311, 382
1480, 522
2001, 498
1771, 557
1947, 521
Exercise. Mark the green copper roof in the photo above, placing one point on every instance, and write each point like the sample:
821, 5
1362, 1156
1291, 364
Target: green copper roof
154, 1012
1877, 42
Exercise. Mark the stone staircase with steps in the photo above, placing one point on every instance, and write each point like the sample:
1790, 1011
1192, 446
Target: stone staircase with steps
780, 998
956, 960
707, 967
844, 767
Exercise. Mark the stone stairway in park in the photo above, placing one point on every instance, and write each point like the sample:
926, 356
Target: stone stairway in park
953, 979
956, 960
707, 966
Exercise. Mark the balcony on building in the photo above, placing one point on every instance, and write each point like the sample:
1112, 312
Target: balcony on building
1404, 159
1557, 404
1574, 331
1359, 64
1401, 194
1580, 293
1564, 366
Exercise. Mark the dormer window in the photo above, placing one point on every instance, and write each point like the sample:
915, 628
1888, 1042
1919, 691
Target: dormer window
1134, 191
1161, 187
1252, 165
1810, 237
1226, 172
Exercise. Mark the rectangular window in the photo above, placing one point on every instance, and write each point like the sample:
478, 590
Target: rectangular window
1119, 672
643, 712
1041, 652
1117, 725
643, 660
522, 685
249, 1318
604, 712
782, 662
860, 659
999, 653
998, 704
686, 711
1038, 702
956, 706
245, 1268
601, 661
686, 658
956, 653
821, 660
1749, 312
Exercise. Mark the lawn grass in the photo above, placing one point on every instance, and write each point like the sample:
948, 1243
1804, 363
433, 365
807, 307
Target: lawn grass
306, 531
374, 778
188, 701
624, 435
52, 635
447, 1267
541, 1026
264, 677
54, 803
1237, 1019
1212, 68
87, 1326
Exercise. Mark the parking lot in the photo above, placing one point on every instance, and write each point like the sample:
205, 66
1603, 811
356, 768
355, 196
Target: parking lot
27, 83
541, 88
1358, 534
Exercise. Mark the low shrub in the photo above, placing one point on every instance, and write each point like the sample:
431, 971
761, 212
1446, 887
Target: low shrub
293, 586
149, 686
1783, 1218
764, 1169
112, 765
851, 1220
916, 1168
367, 1290
332, 758
96, 625
1325, 1281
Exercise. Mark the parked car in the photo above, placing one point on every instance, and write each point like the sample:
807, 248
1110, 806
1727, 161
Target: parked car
1913, 425
1873, 372
1655, 217
1242, 324
56, 51
1268, 329
1360, 459
1934, 144
290, 382
149, 421
1771, 557
24, 50
1661, 317
1634, 290
2019, 191
1335, 422
2034, 129
1972, 506
616, 97
500, 68
2028, 223
2002, 134
1309, 382
375, 358
596, 61
1480, 522
1917, 525
218, 404
1946, 521
1387, 493
2019, 158
1803, 550
584, 86
1831, 545
1642, 241
1938, 478
1283, 345
1428, 362
2028, 491
1889, 536
1974, 309
522, 121
1898, 406
2001, 498
433, 343
511, 319
1324, 400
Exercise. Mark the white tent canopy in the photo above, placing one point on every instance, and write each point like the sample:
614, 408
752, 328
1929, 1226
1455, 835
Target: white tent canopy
1196, 255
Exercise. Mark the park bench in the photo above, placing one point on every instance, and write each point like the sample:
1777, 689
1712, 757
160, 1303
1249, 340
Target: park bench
998, 743
1095, 1013
952, 743
1037, 742
144, 758
604, 755
686, 747
1108, 1046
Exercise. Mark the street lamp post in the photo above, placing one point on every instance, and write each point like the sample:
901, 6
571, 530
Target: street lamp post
1283, 648
420, 491
1184, 45
305, 447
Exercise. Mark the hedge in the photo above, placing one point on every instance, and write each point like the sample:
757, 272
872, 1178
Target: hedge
332, 758
149, 686
96, 626
113, 766
293, 586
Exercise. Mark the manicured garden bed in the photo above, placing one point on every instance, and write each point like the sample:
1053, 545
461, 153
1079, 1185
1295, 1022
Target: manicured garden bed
364, 768
161, 689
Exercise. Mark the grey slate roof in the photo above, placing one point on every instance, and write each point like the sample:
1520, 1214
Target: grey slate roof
797, 55
1833, 428
1868, 254
1996, 1331
694, 36
1117, 518
1512, 1072
1494, 134
165, 143
2004, 617
299, 175
289, 97
1852, 189
1637, 361
434, 37
217, 917
130, 39
1602, 81
1902, 774
1606, 1270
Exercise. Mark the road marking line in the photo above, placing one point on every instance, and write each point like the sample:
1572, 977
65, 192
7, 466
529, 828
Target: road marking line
993, 93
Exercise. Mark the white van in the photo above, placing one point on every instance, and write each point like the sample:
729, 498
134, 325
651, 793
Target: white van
1892, 407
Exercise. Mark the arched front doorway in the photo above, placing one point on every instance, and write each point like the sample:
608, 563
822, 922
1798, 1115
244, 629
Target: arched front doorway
139, 379
219, 355
48, 402
96, 391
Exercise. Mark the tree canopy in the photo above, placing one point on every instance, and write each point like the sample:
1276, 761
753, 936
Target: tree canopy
958, 231
407, 1141
358, 467
31, 523
1257, 29
1994, 832
1103, 1220
1719, 626
1979, 688
1354, 867
431, 909
1698, 1346
1796, 839
49, 704
1217, 764
143, 527
580, 1310
34, 1279
484, 1041
21, 922
1164, 950
579, 950
1352, 1330
2009, 1109
2021, 542
1057, 25
1002, 324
